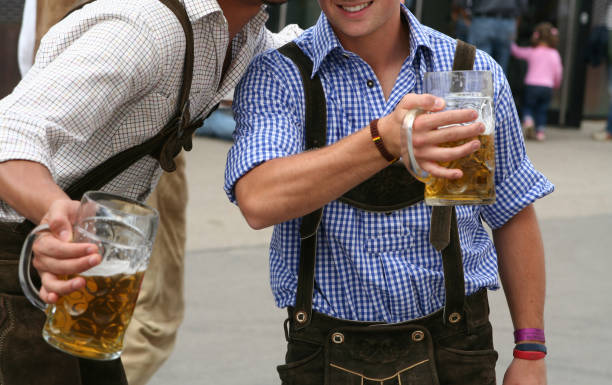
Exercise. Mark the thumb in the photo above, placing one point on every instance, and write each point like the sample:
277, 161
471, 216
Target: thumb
60, 218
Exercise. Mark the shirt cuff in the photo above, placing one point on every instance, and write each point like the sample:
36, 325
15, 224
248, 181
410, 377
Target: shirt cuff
516, 192
20, 143
242, 159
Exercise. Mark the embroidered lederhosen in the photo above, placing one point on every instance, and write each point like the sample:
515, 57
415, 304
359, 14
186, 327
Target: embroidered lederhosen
25, 358
451, 346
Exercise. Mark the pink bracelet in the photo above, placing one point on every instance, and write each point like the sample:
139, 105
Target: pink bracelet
529, 334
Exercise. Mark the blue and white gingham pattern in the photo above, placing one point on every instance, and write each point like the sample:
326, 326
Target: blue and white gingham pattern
373, 266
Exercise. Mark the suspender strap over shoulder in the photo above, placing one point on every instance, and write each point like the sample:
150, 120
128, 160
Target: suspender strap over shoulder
315, 116
167, 143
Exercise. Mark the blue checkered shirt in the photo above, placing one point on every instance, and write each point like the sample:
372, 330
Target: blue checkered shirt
373, 266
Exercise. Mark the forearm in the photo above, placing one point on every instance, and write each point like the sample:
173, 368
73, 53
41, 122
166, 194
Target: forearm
28, 188
285, 188
521, 268
282, 189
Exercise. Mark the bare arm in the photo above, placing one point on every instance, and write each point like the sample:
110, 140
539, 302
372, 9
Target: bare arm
286, 188
29, 188
290, 187
520, 52
522, 272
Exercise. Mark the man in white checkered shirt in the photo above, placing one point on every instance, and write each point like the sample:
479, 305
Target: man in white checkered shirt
106, 78
370, 299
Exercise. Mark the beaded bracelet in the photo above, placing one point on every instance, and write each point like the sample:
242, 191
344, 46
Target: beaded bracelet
376, 138
529, 334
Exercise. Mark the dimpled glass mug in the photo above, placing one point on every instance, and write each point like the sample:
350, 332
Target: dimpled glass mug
460, 90
91, 322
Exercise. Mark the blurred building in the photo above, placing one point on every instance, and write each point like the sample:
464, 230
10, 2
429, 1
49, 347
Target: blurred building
584, 89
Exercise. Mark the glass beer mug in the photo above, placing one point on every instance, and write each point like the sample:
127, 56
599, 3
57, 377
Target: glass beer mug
460, 90
91, 322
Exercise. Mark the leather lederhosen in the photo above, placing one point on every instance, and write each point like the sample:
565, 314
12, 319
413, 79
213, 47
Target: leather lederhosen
451, 346
25, 358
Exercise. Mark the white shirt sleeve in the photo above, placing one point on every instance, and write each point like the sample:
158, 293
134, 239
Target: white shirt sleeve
72, 91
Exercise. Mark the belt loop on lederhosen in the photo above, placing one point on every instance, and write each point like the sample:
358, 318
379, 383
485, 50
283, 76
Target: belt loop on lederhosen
444, 230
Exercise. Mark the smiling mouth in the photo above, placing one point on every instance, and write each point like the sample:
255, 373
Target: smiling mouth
356, 8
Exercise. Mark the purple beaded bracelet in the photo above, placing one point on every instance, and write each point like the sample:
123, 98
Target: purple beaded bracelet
529, 334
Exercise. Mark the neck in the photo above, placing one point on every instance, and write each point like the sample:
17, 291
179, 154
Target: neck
238, 13
384, 48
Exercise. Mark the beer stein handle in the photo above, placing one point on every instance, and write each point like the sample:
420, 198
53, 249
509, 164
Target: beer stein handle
407, 148
25, 259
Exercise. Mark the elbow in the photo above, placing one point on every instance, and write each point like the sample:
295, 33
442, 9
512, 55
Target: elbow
254, 211
253, 216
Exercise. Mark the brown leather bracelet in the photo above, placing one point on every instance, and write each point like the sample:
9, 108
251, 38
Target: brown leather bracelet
377, 139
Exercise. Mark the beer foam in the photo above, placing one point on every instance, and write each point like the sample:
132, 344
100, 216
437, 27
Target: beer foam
109, 268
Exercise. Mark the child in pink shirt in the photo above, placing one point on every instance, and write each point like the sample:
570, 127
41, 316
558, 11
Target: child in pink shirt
544, 72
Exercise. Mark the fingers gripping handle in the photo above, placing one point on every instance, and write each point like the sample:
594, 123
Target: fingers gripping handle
407, 127
25, 260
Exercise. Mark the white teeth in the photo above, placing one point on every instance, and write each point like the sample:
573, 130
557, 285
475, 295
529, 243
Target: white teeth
356, 8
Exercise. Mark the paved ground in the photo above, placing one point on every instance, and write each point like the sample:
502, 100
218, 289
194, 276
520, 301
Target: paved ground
232, 332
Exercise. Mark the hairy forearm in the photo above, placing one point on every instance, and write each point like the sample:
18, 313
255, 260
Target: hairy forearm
282, 189
521, 268
28, 188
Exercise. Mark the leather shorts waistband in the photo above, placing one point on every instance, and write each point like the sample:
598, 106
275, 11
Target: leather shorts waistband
476, 314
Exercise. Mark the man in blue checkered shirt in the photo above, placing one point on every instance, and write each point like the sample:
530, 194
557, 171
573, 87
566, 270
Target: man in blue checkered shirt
378, 267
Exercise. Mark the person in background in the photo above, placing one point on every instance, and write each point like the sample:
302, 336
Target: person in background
105, 79
544, 74
493, 26
357, 267
606, 134
220, 124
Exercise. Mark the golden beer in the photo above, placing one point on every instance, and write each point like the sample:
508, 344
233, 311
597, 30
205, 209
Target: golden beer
476, 186
91, 322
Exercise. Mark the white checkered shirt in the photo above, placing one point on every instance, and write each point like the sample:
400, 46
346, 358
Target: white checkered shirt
373, 266
107, 77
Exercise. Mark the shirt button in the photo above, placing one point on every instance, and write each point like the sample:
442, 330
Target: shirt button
370, 83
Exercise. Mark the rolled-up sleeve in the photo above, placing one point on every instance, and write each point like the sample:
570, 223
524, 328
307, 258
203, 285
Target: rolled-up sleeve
517, 182
267, 123
76, 87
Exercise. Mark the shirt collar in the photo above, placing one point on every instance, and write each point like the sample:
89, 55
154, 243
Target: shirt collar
199, 9
325, 41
